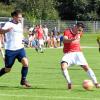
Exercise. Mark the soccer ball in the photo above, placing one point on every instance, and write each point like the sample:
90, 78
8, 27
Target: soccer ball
88, 85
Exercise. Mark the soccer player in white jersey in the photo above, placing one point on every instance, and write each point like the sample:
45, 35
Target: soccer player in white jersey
74, 55
14, 49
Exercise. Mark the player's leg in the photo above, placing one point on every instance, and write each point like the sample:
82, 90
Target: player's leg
42, 48
9, 61
66, 62
4, 71
22, 58
37, 45
64, 68
91, 74
24, 72
34, 45
82, 61
41, 45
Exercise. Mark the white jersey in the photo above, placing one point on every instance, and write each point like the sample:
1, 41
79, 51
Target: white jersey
13, 39
45, 31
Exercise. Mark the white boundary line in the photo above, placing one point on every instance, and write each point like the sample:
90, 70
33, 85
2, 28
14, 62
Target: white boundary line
52, 97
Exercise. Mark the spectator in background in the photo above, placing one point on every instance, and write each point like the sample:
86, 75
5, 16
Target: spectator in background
45, 31
58, 39
53, 40
61, 39
48, 41
55, 32
30, 38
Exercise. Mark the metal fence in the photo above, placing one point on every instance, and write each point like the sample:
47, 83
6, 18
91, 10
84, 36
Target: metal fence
90, 26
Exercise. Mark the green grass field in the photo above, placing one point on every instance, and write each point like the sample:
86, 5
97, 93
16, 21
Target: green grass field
46, 78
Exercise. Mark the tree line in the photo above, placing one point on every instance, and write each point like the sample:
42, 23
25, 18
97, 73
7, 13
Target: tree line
58, 9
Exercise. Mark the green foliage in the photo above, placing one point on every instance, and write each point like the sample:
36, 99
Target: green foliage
5, 10
54, 9
38, 9
79, 9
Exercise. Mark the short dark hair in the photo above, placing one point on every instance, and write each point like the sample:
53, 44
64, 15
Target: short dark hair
80, 24
16, 12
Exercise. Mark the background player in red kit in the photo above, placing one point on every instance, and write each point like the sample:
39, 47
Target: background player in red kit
73, 54
40, 38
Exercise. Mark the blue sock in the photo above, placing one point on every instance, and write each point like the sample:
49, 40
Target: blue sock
2, 71
24, 72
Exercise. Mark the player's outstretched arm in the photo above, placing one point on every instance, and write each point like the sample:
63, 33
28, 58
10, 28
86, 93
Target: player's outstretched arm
3, 31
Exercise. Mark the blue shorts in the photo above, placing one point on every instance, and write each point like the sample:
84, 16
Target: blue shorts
10, 56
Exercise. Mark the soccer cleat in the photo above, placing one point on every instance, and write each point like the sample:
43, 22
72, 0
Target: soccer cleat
69, 86
41, 52
97, 85
36, 49
25, 83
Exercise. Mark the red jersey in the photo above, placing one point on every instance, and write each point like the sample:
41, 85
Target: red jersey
73, 46
39, 33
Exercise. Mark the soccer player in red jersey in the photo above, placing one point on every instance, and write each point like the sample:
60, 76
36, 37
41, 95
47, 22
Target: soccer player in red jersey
40, 38
73, 54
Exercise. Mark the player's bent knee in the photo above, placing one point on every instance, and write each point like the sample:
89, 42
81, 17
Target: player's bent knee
24, 61
85, 67
64, 65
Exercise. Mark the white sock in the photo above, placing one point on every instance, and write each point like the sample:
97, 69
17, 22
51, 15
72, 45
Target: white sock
41, 49
92, 75
66, 75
